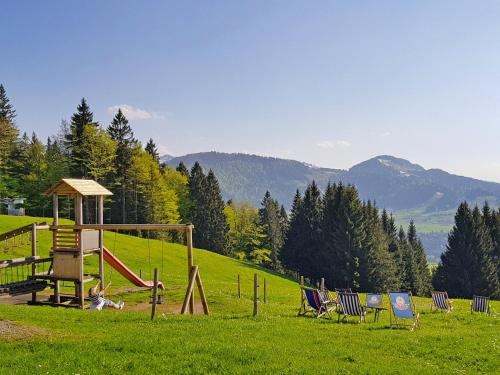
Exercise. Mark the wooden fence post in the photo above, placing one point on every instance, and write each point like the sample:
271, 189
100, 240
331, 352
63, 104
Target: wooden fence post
255, 294
239, 287
265, 291
33, 254
155, 295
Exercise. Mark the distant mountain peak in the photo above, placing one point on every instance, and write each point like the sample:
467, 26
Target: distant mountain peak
387, 162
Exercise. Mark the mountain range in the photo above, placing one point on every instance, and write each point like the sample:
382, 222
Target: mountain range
428, 196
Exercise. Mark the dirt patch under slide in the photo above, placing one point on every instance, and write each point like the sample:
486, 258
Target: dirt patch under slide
11, 331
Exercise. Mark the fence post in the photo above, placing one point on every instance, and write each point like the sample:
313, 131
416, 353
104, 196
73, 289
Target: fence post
255, 294
322, 284
239, 287
33, 254
155, 295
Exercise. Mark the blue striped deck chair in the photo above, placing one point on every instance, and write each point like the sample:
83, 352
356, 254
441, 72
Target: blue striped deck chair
480, 304
350, 305
403, 309
440, 301
317, 306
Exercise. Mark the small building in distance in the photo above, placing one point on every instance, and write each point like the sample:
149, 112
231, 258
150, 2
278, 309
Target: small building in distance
15, 206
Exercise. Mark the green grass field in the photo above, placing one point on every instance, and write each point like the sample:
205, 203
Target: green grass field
68, 341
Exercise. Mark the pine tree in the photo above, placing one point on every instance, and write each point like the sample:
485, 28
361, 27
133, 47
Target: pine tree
121, 132
407, 262
7, 112
182, 169
293, 240
152, 150
8, 138
75, 139
345, 237
422, 278
307, 253
466, 267
271, 221
216, 237
379, 273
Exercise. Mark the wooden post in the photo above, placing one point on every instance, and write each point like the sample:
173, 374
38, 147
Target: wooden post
155, 295
33, 254
55, 208
55, 205
79, 221
239, 287
265, 291
190, 263
100, 220
202, 293
322, 284
189, 291
255, 294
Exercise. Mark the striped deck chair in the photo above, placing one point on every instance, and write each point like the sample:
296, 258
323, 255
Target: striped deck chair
480, 304
338, 292
440, 301
403, 309
350, 305
317, 305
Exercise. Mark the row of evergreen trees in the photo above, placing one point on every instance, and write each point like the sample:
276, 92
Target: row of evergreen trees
347, 241
471, 263
143, 190
333, 235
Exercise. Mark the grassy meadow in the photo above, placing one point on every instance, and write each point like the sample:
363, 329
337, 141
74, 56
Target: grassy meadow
43, 340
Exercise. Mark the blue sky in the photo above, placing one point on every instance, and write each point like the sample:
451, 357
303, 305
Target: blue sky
330, 83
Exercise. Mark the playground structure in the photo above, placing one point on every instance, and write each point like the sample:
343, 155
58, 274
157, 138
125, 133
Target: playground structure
73, 243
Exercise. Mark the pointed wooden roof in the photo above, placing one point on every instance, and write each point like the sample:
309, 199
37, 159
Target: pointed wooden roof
74, 186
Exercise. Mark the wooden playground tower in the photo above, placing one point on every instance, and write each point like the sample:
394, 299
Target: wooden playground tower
72, 243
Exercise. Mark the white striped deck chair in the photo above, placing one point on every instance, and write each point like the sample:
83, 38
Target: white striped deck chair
480, 304
350, 305
440, 301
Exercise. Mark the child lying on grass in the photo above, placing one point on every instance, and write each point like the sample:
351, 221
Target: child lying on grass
98, 302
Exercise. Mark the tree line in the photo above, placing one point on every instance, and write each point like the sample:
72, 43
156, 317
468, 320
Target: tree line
470, 264
348, 242
332, 235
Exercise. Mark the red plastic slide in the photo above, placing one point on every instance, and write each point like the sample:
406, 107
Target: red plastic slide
127, 272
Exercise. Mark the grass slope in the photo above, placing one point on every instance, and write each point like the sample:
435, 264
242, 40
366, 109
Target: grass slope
230, 340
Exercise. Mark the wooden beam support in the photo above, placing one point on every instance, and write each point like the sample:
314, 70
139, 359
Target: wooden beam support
190, 289
189, 242
202, 293
156, 227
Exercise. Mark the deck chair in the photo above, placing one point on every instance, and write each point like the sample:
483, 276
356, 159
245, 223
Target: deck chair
440, 301
317, 302
350, 305
480, 304
403, 309
373, 300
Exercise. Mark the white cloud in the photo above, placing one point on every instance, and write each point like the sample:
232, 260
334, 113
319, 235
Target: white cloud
133, 113
344, 143
385, 134
332, 145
